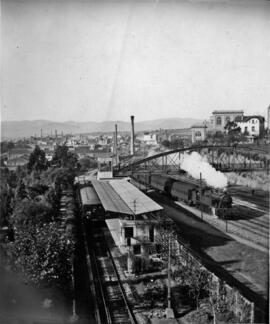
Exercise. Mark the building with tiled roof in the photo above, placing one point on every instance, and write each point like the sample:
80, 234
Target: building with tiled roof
251, 125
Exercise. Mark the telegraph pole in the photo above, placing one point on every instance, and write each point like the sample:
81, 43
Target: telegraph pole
201, 195
169, 310
169, 273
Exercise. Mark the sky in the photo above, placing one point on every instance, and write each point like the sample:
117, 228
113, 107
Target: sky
85, 60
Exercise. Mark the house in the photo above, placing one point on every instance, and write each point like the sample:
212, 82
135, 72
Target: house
150, 138
198, 132
220, 118
251, 125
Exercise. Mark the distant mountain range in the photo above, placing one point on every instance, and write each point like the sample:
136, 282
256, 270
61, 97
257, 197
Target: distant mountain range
25, 128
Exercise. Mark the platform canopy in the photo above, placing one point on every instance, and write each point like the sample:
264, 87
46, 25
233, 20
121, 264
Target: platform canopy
89, 197
120, 196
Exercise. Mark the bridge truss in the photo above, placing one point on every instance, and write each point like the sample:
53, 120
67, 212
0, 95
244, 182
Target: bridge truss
222, 158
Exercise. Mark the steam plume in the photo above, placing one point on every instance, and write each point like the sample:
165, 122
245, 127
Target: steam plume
195, 164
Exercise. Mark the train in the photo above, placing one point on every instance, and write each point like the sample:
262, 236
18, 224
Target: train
188, 190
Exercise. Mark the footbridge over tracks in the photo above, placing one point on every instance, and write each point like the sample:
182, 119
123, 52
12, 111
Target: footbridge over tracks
222, 158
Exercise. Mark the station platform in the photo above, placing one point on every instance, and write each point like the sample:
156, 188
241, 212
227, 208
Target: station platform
230, 229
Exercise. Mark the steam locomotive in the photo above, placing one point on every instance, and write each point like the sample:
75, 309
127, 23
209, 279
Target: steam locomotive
189, 191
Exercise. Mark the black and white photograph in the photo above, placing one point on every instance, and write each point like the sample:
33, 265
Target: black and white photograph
135, 161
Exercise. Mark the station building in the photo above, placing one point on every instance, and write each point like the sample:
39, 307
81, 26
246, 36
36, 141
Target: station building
131, 216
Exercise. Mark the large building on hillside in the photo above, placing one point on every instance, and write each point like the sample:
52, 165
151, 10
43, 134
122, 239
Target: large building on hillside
220, 118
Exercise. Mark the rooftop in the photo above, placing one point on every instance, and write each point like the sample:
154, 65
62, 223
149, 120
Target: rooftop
199, 126
227, 112
247, 118
122, 197
89, 196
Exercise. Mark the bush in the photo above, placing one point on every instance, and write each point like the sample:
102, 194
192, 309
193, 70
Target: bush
43, 254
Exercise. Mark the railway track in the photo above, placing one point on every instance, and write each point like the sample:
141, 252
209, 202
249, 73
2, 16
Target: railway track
113, 304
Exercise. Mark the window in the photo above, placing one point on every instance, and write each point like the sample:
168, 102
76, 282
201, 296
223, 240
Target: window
218, 120
253, 121
137, 249
198, 134
253, 128
246, 129
128, 232
227, 119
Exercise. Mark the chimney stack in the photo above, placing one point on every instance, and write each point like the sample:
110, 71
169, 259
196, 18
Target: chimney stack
56, 133
268, 119
115, 144
132, 136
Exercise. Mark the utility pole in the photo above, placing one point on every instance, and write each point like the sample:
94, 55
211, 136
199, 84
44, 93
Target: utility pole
169, 310
169, 273
201, 195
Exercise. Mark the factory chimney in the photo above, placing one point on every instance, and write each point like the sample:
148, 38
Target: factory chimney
268, 119
132, 136
115, 144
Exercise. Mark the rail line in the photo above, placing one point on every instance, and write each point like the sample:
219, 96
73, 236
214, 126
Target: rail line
113, 304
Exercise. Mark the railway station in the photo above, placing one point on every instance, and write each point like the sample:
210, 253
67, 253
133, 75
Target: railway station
131, 217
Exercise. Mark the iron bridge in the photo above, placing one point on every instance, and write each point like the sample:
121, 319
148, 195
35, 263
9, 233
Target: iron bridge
222, 158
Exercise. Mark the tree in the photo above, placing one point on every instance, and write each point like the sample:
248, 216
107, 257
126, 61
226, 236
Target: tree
177, 143
31, 213
37, 160
232, 128
197, 279
87, 163
21, 192
43, 254
6, 146
6, 196
64, 158
166, 143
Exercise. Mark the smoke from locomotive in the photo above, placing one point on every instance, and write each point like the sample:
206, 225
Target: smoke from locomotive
194, 164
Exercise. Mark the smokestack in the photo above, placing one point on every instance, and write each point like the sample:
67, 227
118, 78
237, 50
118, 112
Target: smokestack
41, 134
268, 119
115, 143
56, 133
132, 136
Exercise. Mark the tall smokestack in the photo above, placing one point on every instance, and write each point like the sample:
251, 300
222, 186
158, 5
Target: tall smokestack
268, 119
115, 143
56, 133
132, 136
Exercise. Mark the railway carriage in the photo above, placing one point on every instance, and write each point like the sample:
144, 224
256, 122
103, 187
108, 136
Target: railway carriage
190, 191
184, 192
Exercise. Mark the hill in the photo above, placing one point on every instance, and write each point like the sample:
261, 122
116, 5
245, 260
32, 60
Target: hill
25, 128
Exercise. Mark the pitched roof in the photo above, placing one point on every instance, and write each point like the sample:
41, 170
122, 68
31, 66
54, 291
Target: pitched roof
122, 197
247, 118
89, 196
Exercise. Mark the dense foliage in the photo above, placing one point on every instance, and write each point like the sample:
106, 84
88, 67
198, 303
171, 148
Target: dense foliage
41, 248
64, 158
37, 160
43, 253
